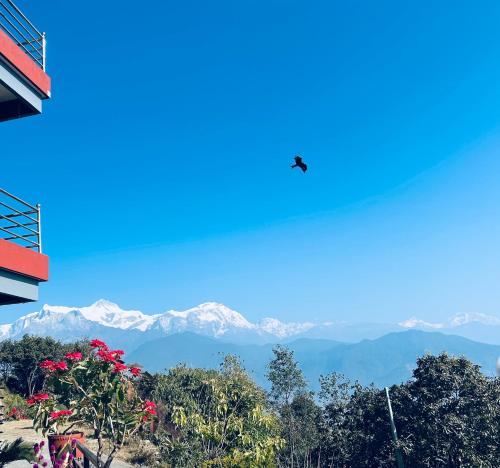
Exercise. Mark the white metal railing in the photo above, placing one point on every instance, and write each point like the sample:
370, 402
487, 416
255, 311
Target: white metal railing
22, 31
20, 222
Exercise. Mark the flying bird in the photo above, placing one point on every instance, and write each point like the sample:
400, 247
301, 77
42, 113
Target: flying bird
300, 163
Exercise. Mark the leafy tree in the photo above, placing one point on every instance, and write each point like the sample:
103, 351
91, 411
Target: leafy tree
287, 380
19, 361
335, 395
298, 412
446, 416
215, 418
450, 414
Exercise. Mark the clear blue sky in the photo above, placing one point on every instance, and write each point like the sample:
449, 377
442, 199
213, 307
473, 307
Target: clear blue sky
162, 161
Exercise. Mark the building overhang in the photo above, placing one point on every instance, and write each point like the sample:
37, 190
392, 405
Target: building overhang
23, 83
21, 271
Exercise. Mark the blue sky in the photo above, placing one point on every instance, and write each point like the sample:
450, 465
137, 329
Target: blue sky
162, 161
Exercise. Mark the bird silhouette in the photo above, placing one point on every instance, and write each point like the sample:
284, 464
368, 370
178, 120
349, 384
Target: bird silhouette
300, 163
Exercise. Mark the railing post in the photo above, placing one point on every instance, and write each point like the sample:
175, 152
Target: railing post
39, 217
44, 52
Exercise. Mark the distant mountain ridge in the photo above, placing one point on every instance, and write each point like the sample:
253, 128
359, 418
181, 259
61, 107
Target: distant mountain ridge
131, 328
384, 361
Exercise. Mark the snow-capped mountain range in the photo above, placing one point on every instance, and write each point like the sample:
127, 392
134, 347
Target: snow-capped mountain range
107, 318
130, 328
455, 321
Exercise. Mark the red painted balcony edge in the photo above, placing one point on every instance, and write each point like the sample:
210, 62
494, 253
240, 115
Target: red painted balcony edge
23, 63
23, 261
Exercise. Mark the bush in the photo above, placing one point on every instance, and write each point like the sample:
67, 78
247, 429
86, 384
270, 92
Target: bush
16, 407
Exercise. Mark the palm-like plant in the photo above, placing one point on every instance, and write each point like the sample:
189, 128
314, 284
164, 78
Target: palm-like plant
16, 450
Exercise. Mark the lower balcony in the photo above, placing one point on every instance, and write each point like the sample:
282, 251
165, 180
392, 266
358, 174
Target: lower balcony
21, 271
22, 264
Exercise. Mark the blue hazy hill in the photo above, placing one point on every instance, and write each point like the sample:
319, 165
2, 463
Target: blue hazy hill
382, 361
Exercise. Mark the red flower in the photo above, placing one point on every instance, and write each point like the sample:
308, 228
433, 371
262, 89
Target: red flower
61, 366
47, 364
60, 414
52, 366
135, 371
150, 407
119, 367
117, 353
37, 398
76, 356
98, 344
105, 355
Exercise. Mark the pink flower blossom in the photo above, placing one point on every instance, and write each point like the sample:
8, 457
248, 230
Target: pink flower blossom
60, 414
105, 356
37, 398
135, 371
76, 356
119, 367
150, 408
98, 344
52, 366
60, 366
47, 364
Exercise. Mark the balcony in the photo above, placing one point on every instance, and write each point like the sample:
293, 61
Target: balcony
22, 264
24, 83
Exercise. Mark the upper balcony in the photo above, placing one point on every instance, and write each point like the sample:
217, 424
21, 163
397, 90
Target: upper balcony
22, 264
23, 80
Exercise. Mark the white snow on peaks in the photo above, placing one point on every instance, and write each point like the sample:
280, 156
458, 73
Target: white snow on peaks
455, 321
462, 319
210, 318
105, 318
109, 314
102, 312
282, 330
414, 322
207, 318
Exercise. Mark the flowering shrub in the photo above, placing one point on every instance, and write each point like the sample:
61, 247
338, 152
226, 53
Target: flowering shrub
15, 406
97, 391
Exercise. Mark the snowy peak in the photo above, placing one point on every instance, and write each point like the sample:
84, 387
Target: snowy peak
214, 312
282, 330
457, 320
210, 318
102, 312
463, 319
109, 314
414, 322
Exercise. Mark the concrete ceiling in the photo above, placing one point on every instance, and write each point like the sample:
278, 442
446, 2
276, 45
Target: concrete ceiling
5, 94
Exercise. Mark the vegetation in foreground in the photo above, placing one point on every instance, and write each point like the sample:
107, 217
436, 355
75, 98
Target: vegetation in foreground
447, 415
